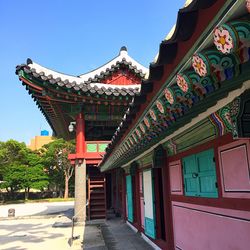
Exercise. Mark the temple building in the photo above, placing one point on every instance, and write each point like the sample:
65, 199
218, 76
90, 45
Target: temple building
182, 162
89, 108
172, 142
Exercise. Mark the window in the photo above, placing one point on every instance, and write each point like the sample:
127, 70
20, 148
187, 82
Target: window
91, 147
200, 175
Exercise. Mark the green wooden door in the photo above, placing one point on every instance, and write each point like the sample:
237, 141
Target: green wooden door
129, 198
200, 175
190, 173
207, 174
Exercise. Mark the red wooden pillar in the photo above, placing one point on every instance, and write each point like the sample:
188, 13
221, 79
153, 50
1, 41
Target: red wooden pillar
124, 215
137, 200
80, 170
167, 205
80, 136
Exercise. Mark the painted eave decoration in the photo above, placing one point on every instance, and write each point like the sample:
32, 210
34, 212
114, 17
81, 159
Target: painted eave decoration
209, 76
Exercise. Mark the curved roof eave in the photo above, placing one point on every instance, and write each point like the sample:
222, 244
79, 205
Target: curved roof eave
79, 81
123, 55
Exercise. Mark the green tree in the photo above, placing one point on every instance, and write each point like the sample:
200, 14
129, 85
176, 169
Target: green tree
21, 168
34, 175
11, 151
12, 178
60, 170
12, 156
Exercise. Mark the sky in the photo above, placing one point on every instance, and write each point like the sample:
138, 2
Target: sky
72, 37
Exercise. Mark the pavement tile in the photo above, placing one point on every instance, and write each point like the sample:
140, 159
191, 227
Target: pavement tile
119, 236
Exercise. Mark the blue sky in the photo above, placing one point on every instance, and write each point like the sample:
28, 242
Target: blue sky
72, 37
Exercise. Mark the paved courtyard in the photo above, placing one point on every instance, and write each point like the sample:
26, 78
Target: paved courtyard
35, 234
40, 208
45, 226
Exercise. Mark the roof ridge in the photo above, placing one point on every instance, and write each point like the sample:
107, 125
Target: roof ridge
123, 54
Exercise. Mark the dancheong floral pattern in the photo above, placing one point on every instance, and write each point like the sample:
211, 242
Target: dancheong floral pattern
146, 122
248, 5
131, 141
152, 114
199, 65
160, 107
182, 83
142, 128
223, 40
134, 137
138, 133
169, 96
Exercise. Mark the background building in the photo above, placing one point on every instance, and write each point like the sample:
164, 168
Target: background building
38, 141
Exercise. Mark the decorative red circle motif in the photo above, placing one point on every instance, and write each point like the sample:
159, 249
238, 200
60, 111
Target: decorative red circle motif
199, 65
223, 40
142, 128
146, 122
248, 5
160, 107
169, 96
138, 133
182, 83
152, 114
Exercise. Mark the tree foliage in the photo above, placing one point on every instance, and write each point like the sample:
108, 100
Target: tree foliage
59, 169
11, 151
21, 168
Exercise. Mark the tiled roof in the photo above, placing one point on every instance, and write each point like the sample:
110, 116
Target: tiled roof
123, 59
59, 95
92, 81
76, 83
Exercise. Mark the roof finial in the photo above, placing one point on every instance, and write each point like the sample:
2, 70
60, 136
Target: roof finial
123, 50
29, 61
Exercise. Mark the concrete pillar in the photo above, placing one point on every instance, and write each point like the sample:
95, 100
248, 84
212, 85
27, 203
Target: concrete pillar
80, 190
80, 170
